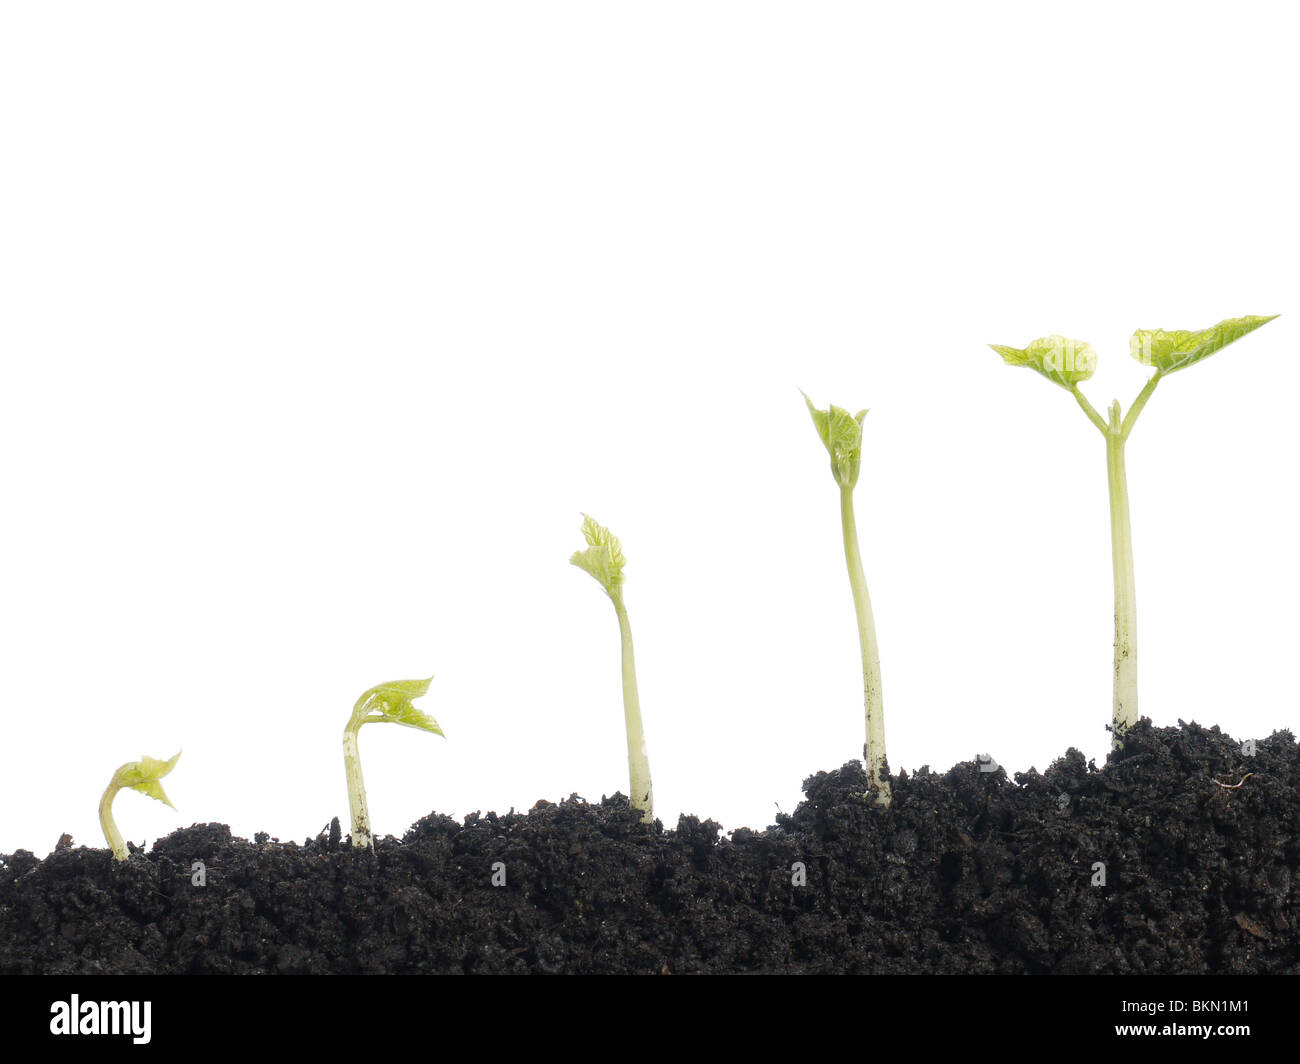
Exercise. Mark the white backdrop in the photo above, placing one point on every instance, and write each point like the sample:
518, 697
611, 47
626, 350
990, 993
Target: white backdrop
321, 323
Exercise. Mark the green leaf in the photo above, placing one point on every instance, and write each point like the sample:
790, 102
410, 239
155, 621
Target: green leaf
143, 776
1061, 361
392, 701
841, 432
603, 558
1169, 351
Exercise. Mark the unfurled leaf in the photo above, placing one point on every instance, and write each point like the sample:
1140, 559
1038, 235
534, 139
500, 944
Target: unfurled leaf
403, 689
841, 432
393, 702
603, 558
1169, 351
143, 776
1061, 361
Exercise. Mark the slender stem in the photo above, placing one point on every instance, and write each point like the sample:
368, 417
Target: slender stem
115, 841
1130, 419
1088, 409
356, 783
1121, 540
874, 750
638, 761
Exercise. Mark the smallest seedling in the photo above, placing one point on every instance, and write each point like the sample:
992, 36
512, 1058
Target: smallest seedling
385, 703
143, 776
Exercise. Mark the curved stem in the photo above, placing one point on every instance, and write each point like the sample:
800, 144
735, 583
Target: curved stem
115, 841
356, 782
874, 750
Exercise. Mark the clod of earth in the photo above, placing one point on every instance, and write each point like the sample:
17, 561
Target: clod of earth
966, 872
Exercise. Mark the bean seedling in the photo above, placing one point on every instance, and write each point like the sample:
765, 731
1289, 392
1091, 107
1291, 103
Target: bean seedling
841, 432
142, 776
386, 703
1070, 362
603, 560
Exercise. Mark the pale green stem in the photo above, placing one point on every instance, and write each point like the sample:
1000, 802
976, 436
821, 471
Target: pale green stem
356, 783
1116, 431
115, 841
638, 761
874, 750
1121, 539
1131, 417
1088, 409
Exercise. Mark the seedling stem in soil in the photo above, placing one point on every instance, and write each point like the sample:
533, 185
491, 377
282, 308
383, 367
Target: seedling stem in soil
841, 432
142, 776
387, 703
603, 560
1070, 362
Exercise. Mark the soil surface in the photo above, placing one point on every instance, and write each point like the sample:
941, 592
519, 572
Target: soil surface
967, 872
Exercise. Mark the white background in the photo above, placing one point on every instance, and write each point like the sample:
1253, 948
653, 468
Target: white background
321, 323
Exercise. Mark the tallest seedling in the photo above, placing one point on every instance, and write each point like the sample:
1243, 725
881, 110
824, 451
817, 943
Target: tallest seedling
841, 432
1069, 363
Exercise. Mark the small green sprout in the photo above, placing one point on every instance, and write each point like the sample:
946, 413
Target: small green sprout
604, 560
391, 703
142, 776
1070, 362
841, 432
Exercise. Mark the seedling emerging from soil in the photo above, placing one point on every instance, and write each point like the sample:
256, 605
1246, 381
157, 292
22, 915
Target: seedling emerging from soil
391, 703
604, 560
1070, 362
841, 432
142, 776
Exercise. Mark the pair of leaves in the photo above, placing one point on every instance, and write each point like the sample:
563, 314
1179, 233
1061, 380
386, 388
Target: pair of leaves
393, 702
143, 776
841, 432
1068, 362
603, 559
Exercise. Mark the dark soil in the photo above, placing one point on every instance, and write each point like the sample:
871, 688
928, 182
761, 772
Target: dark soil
967, 872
